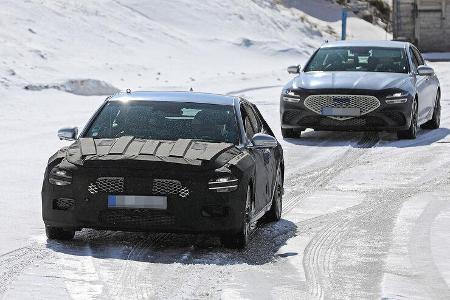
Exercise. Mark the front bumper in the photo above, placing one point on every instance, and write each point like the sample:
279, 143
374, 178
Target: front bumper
387, 117
203, 211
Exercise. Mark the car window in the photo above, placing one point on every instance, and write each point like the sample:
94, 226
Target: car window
249, 120
359, 59
418, 56
414, 58
166, 120
264, 128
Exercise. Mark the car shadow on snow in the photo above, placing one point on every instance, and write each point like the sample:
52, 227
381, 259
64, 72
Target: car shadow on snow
169, 248
369, 139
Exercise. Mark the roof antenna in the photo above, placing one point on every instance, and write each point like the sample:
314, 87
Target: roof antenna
128, 91
191, 89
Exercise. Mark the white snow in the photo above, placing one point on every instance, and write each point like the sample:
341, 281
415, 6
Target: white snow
350, 211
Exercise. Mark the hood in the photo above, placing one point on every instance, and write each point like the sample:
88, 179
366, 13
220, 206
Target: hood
127, 150
349, 80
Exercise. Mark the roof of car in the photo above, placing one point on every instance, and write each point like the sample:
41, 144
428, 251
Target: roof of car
387, 44
173, 97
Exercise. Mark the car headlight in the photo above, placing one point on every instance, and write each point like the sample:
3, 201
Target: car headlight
224, 184
290, 96
397, 98
60, 176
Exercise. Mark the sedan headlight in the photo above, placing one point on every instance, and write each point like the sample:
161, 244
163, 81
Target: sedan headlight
397, 98
223, 184
290, 96
60, 176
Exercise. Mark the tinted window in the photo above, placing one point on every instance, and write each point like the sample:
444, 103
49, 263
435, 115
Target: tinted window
363, 59
414, 58
418, 56
166, 121
250, 123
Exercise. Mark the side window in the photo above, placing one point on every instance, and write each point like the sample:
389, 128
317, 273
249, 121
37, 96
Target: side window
414, 58
248, 127
251, 123
419, 57
264, 128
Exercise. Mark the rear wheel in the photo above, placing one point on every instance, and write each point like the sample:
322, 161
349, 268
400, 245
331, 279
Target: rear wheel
274, 214
411, 132
239, 240
58, 233
435, 121
291, 133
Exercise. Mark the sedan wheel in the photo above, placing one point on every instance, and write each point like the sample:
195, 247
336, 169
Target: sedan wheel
274, 214
435, 121
411, 132
240, 239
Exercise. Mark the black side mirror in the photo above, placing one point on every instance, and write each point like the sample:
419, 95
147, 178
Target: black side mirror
294, 69
261, 140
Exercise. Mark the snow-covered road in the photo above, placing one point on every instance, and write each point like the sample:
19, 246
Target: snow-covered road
365, 216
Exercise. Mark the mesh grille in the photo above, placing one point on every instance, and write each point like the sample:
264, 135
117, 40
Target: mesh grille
169, 187
366, 104
290, 115
107, 185
355, 122
63, 203
136, 218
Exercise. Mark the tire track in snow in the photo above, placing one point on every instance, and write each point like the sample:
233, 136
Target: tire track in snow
13, 263
421, 255
319, 178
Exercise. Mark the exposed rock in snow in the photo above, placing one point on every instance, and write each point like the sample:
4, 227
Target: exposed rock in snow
83, 87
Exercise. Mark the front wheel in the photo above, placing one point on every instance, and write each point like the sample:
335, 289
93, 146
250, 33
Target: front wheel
58, 233
435, 121
274, 214
239, 240
411, 132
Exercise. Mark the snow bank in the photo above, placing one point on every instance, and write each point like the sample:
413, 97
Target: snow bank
82, 87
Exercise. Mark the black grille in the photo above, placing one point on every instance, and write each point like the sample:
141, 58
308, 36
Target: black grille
289, 115
63, 203
397, 117
136, 218
169, 187
107, 185
355, 122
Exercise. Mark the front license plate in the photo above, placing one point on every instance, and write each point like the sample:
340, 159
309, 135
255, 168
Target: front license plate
121, 201
341, 112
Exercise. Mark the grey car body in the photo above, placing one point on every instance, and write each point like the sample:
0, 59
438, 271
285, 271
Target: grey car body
416, 83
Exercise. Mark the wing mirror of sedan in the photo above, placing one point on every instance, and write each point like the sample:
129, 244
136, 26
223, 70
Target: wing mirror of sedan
261, 140
425, 70
68, 134
294, 69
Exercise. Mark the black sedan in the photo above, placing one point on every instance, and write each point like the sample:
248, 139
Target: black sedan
362, 86
166, 162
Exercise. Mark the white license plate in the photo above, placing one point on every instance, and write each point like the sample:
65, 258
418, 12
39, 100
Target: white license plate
123, 201
341, 112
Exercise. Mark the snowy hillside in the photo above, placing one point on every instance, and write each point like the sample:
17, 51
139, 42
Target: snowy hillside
159, 44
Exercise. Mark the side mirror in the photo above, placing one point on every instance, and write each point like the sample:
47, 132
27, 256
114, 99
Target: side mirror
425, 70
294, 69
68, 134
261, 140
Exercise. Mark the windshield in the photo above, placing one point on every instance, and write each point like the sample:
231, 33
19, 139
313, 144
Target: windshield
162, 120
362, 59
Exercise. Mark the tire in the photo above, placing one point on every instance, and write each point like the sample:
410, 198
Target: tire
58, 233
435, 121
240, 240
411, 132
290, 133
274, 214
